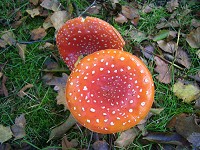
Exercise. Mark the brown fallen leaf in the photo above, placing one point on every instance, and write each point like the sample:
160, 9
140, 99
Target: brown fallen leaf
59, 18
61, 98
18, 129
127, 137
34, 2
68, 144
47, 46
147, 9
18, 23
22, 49
130, 12
186, 125
3, 43
193, 38
170, 23
172, 5
59, 131
22, 92
94, 10
121, 19
9, 38
195, 23
163, 69
5, 133
148, 51
51, 5
47, 23
3, 89
100, 145
33, 12
186, 92
183, 58
38, 33
169, 47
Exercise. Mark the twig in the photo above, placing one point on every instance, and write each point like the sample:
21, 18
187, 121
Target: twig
32, 42
90, 140
55, 70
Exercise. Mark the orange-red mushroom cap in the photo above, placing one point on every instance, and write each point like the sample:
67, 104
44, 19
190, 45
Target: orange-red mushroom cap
82, 36
110, 91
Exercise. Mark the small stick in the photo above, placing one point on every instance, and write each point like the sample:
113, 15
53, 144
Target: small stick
94, 3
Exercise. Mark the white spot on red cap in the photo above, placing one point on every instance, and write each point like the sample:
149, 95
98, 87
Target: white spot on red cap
92, 109
143, 103
85, 88
130, 110
122, 58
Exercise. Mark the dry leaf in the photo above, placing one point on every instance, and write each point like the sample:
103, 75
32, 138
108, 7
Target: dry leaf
61, 98
3, 43
5, 133
47, 46
127, 137
100, 145
121, 19
47, 23
9, 38
19, 22
186, 125
94, 10
171, 23
182, 58
22, 49
172, 5
186, 92
148, 51
59, 131
193, 38
38, 33
164, 71
33, 12
3, 89
58, 19
130, 12
22, 92
69, 144
51, 5
195, 23
18, 128
198, 53
34, 2
58, 81
169, 47
137, 36
147, 9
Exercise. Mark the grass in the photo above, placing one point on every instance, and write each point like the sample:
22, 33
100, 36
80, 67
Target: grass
40, 108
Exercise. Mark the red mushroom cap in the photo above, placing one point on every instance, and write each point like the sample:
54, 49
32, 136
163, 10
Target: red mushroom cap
82, 36
110, 91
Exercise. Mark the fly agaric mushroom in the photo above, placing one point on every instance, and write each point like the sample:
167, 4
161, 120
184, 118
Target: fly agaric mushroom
110, 91
82, 36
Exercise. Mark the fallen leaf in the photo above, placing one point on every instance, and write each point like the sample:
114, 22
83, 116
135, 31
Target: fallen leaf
59, 131
5, 133
166, 138
68, 144
100, 145
182, 58
38, 33
59, 18
33, 12
162, 34
130, 12
163, 69
148, 51
94, 10
195, 23
47, 23
47, 46
169, 47
19, 22
172, 35
156, 111
61, 98
58, 81
3, 89
171, 23
34, 2
3, 43
186, 125
135, 21
18, 129
127, 137
147, 9
50, 64
121, 19
22, 92
186, 92
172, 5
137, 36
51, 5
22, 49
9, 38
194, 138
193, 38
